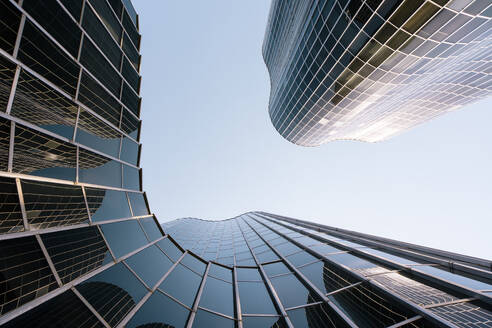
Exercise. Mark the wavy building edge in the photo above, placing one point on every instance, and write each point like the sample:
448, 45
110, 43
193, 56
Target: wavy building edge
79, 246
368, 71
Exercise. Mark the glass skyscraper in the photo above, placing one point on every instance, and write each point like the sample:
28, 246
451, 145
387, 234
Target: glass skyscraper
368, 70
80, 248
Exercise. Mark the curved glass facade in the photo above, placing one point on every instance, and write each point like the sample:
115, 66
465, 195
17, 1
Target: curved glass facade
369, 70
79, 246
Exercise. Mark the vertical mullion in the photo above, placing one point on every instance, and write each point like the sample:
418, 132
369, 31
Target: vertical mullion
10, 162
268, 283
236, 298
130, 314
197, 298
305, 280
19, 34
13, 88
22, 204
48, 259
90, 307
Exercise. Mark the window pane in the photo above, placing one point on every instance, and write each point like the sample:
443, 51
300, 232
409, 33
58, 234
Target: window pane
317, 316
248, 274
150, 227
76, 252
39, 154
24, 271
139, 206
182, 284
113, 292
160, 310
220, 272
39, 104
301, 258
97, 169
326, 277
129, 151
263, 322
131, 177
275, 268
194, 264
124, 237
170, 249
291, 291
107, 204
217, 296
255, 298
10, 212
150, 264
65, 310
94, 133
207, 319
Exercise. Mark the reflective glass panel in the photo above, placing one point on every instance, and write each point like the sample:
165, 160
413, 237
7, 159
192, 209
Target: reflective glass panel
220, 272
99, 170
124, 237
107, 204
170, 249
139, 206
291, 291
150, 264
182, 284
326, 277
207, 319
217, 296
113, 292
193, 263
276, 268
150, 227
263, 322
255, 298
248, 274
318, 316
161, 311
10, 212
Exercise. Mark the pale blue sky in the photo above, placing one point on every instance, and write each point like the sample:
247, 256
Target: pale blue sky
210, 150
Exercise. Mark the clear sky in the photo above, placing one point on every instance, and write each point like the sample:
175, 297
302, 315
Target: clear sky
210, 150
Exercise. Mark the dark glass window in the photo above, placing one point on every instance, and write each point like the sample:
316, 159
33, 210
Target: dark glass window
255, 298
217, 296
113, 293
160, 311
131, 29
291, 291
316, 316
51, 16
301, 258
130, 99
39, 104
99, 100
326, 277
74, 7
10, 212
182, 284
5, 126
129, 151
65, 310
95, 62
9, 25
131, 52
324, 249
24, 273
137, 201
130, 74
124, 237
150, 227
207, 319
43, 56
170, 249
456, 278
51, 205
263, 322
248, 274
130, 124
131, 177
108, 18
39, 154
94, 133
97, 169
96, 30
351, 261
7, 72
368, 307
194, 264
76, 252
150, 264
276, 268
107, 204
220, 272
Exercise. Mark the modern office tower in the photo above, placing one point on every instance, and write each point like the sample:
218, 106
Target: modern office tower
369, 70
79, 247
